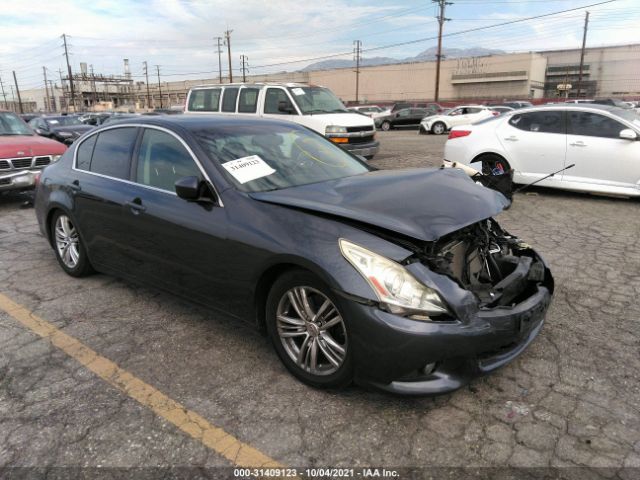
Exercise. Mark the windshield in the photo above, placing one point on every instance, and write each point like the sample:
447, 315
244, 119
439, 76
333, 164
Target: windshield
62, 121
629, 115
11, 124
316, 100
261, 157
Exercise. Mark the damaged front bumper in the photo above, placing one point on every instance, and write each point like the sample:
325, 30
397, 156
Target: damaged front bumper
486, 330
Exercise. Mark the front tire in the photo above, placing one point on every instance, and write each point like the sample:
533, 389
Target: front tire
68, 246
438, 128
305, 323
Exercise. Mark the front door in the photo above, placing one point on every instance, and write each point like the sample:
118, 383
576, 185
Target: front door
180, 245
601, 157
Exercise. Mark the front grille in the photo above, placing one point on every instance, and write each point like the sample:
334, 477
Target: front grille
367, 139
21, 162
5, 181
359, 129
4, 165
42, 161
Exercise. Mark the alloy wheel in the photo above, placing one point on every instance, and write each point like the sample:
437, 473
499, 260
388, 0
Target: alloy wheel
312, 331
438, 129
67, 241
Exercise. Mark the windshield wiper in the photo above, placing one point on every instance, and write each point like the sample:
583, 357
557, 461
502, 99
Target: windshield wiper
13, 133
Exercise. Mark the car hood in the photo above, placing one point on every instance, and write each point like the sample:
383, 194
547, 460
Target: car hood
425, 204
15, 146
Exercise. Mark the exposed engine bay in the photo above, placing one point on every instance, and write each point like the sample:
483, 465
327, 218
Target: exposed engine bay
498, 268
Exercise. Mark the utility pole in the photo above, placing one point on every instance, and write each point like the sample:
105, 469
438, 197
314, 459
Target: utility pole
566, 84
357, 52
244, 61
46, 90
64, 92
146, 74
227, 41
93, 88
159, 86
441, 19
4, 95
66, 54
53, 96
584, 42
219, 39
13, 99
17, 90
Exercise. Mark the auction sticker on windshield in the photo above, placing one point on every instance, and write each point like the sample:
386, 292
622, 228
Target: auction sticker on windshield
248, 168
297, 91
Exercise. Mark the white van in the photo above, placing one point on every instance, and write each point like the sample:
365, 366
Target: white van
312, 106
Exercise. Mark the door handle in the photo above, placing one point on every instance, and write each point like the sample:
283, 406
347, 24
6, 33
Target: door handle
75, 186
136, 206
511, 139
578, 144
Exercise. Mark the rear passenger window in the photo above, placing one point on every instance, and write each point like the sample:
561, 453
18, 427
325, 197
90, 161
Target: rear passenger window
162, 159
205, 100
229, 99
112, 152
248, 101
541, 122
85, 150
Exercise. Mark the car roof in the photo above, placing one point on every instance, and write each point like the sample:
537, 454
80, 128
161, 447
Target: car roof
254, 84
193, 122
571, 106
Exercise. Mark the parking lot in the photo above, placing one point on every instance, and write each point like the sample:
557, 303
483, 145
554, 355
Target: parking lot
571, 400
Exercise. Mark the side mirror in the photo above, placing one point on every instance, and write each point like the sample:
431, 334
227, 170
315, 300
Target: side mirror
628, 134
188, 188
285, 107
192, 189
39, 131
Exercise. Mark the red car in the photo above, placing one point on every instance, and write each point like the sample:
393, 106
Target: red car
23, 153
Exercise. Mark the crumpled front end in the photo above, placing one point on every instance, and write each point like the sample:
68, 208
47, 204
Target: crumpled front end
498, 290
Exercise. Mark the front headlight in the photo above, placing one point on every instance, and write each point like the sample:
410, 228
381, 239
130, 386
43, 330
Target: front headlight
398, 291
65, 134
55, 158
335, 129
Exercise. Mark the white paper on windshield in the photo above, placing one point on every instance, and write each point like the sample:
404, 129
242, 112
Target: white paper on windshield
52, 122
248, 168
297, 91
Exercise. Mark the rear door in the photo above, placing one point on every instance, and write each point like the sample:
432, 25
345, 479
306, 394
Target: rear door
101, 191
600, 155
536, 144
458, 117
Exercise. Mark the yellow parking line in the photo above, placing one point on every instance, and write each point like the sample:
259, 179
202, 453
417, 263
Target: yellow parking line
215, 438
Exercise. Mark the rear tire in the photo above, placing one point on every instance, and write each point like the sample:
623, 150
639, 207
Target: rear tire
438, 128
306, 327
68, 246
386, 126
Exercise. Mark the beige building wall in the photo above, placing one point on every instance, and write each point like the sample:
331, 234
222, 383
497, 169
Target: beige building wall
490, 77
615, 69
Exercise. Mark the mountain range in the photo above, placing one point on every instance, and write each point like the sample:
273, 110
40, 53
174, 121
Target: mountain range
425, 56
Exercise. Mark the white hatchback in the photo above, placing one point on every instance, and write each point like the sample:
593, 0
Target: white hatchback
460, 115
602, 143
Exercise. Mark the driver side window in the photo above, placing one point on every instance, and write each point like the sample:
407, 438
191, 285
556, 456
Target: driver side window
272, 99
162, 159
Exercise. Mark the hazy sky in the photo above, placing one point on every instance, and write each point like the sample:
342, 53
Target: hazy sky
179, 34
